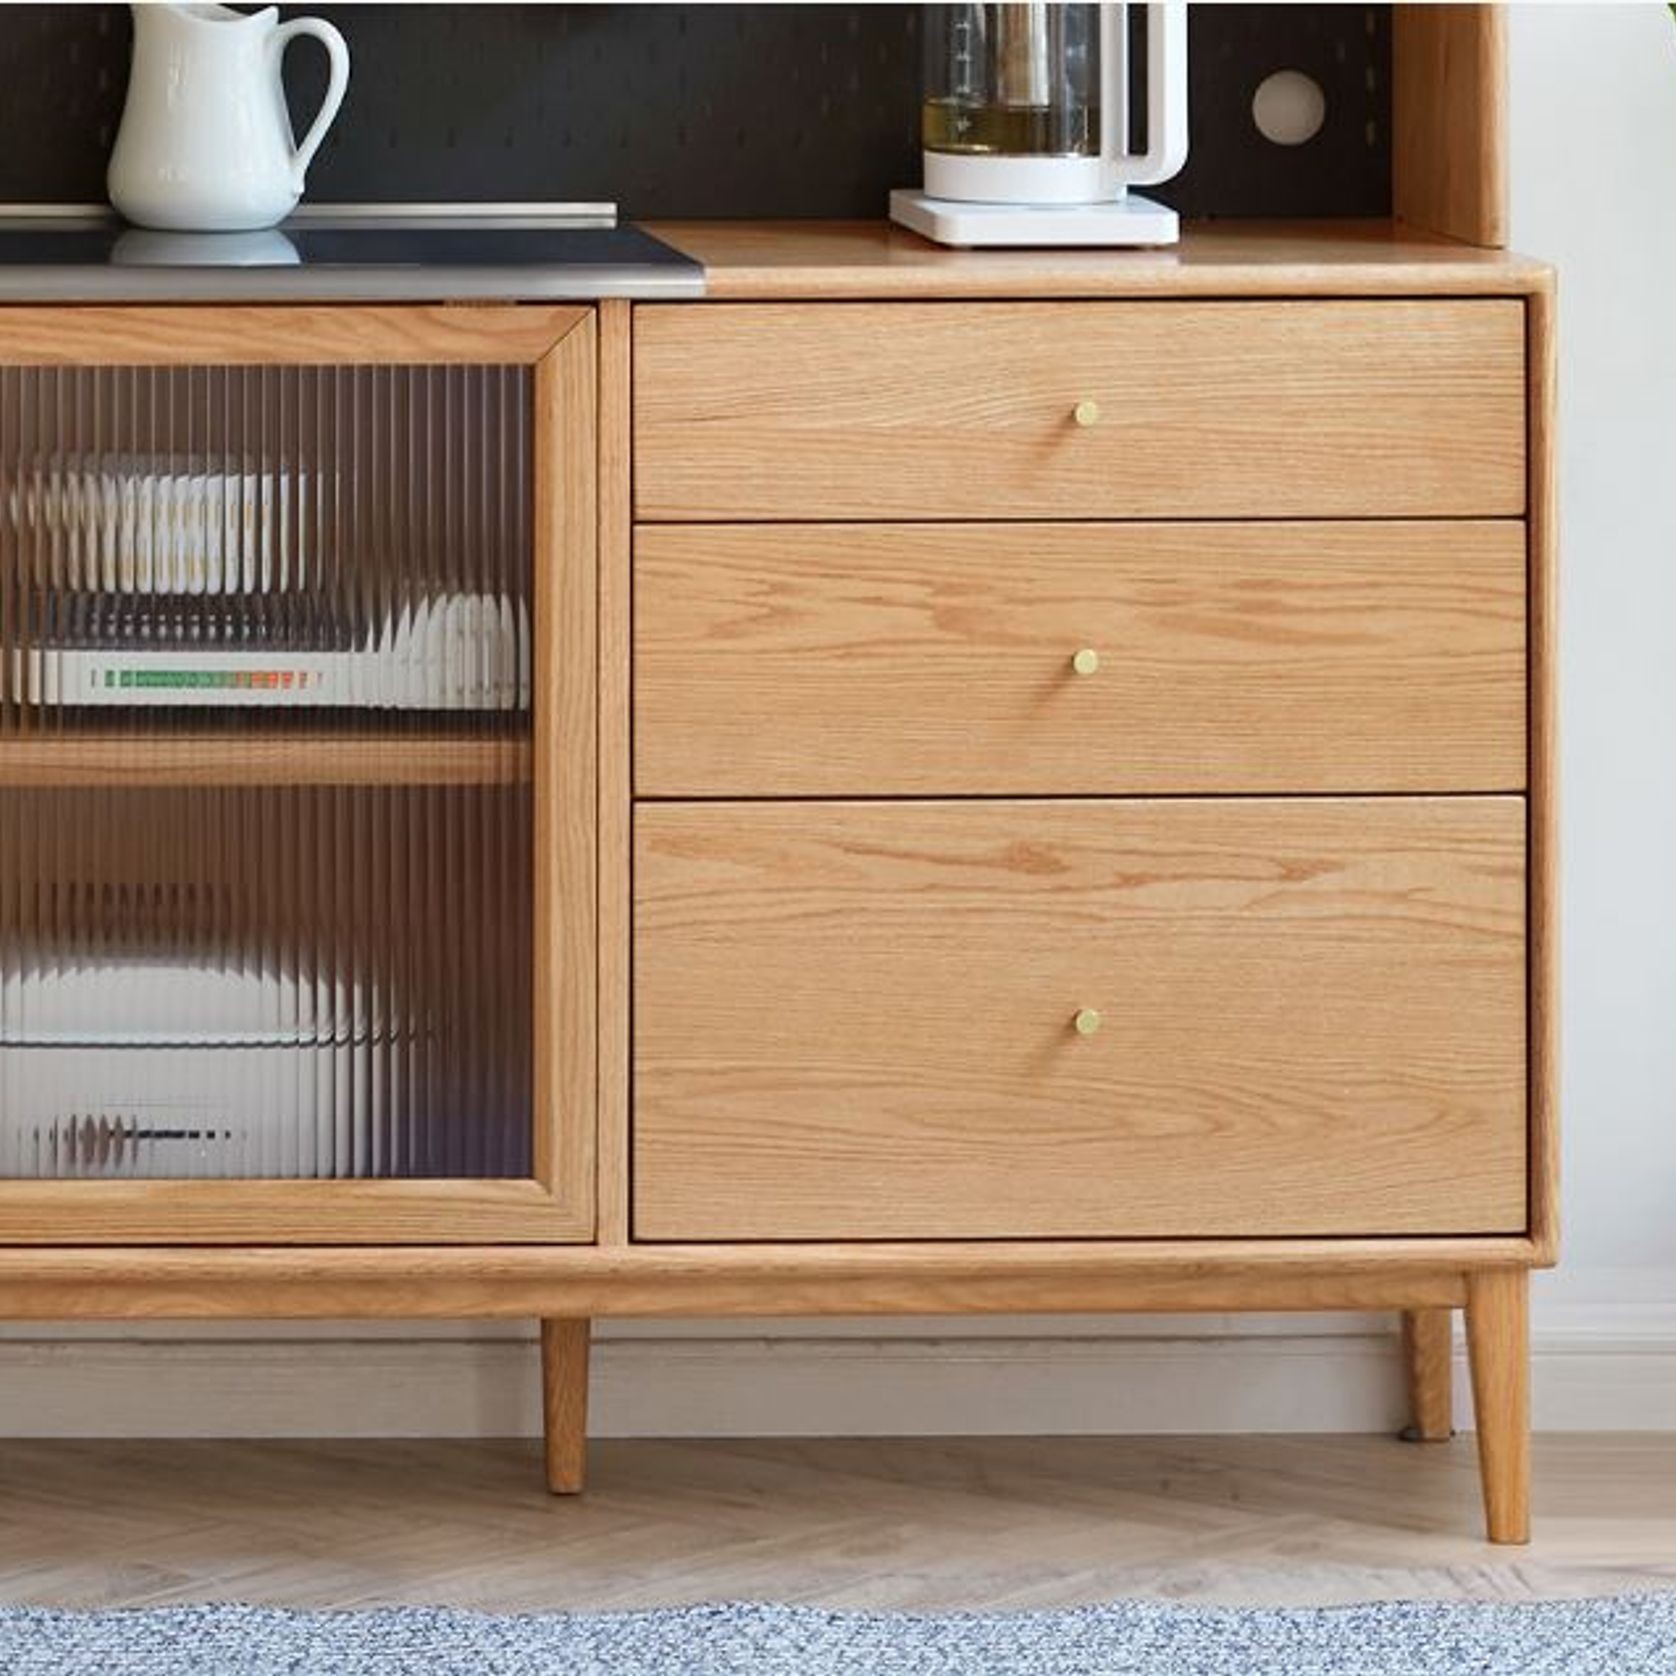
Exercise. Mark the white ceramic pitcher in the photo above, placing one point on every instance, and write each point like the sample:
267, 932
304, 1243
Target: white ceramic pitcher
206, 143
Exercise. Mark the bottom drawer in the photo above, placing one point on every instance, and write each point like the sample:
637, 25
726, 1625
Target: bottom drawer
861, 1021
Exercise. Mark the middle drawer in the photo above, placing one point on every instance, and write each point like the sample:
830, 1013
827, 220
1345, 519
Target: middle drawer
1017, 659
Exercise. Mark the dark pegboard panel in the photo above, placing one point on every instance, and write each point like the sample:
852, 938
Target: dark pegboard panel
1231, 168
708, 110
65, 70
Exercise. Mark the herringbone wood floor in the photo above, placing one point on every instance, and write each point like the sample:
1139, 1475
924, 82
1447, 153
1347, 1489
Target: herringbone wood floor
979, 1523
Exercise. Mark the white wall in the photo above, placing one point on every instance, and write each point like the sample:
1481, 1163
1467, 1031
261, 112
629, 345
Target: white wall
1593, 112
1593, 94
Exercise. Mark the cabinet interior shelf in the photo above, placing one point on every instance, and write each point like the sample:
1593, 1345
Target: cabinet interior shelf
294, 757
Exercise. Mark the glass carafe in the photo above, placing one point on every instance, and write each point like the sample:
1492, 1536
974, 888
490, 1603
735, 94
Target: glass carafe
1013, 81
1029, 103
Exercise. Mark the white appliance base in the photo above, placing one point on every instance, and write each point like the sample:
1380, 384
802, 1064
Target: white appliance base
1129, 220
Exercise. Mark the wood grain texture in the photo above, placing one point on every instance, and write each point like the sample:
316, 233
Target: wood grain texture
744, 1288
915, 1277
786, 260
565, 788
564, 1403
1428, 1346
1212, 409
854, 1021
1543, 535
291, 758
615, 748
1449, 120
288, 335
900, 660
1498, 1348
241, 1213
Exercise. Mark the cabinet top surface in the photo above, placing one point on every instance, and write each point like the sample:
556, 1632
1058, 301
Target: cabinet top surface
827, 259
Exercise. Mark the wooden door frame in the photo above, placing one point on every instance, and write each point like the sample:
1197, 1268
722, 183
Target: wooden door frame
556, 1204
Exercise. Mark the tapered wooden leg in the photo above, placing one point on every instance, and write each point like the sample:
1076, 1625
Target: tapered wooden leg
1498, 1345
1428, 1346
564, 1403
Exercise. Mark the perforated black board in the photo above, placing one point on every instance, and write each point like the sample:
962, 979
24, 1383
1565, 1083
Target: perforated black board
711, 110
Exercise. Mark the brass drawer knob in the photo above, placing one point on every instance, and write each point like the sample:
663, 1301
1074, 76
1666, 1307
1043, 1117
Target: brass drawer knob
1086, 1022
1086, 413
1086, 661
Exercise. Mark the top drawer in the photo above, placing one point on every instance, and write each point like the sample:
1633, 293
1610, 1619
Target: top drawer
1381, 408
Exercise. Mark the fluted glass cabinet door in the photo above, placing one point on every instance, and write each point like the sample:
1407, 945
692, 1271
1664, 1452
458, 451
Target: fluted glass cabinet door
296, 774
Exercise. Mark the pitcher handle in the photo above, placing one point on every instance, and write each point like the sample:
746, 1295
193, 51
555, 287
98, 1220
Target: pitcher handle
337, 51
1166, 80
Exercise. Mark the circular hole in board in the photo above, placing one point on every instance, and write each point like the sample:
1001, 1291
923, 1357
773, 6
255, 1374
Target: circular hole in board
1289, 107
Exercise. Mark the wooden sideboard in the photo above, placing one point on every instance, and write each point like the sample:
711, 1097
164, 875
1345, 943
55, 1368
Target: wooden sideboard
1044, 802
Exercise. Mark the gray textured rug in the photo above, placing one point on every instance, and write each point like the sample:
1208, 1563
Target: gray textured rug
1627, 1636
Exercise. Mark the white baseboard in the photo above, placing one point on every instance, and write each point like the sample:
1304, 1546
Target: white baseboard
673, 1383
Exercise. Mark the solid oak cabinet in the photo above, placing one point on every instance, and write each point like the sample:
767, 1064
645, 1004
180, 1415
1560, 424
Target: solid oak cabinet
1037, 795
